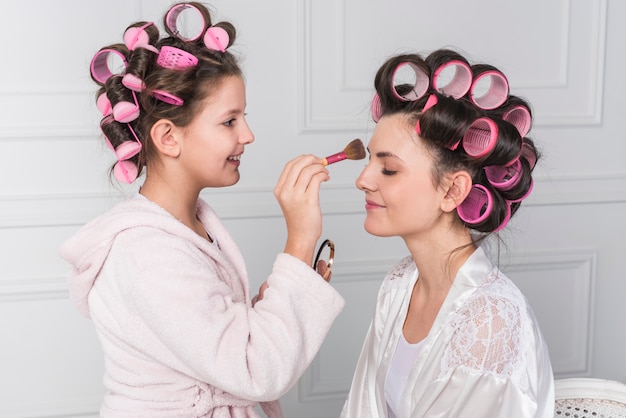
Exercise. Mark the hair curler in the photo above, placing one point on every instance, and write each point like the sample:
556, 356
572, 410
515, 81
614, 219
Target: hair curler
530, 189
480, 138
420, 86
104, 105
460, 83
497, 92
132, 82
167, 97
175, 58
100, 70
430, 102
137, 36
171, 21
125, 111
376, 108
507, 218
477, 206
216, 38
504, 177
529, 154
518, 116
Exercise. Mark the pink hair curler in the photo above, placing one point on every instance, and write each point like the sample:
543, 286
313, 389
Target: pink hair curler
216, 38
529, 154
100, 70
132, 82
504, 177
506, 219
125, 171
376, 108
138, 37
430, 102
497, 92
420, 85
480, 138
127, 149
519, 116
460, 82
176, 59
104, 105
171, 21
477, 206
167, 97
126, 112
530, 189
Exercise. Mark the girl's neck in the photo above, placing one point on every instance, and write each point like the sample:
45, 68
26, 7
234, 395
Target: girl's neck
180, 202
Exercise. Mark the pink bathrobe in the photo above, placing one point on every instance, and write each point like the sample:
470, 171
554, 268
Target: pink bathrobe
173, 313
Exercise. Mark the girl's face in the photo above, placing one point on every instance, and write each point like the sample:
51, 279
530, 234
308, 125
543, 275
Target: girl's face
400, 197
213, 143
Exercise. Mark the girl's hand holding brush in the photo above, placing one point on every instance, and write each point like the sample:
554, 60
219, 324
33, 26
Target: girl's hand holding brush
353, 151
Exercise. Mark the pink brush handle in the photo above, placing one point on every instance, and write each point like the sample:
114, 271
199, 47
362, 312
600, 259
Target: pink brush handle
340, 156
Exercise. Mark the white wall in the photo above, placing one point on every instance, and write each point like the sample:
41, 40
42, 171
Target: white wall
309, 67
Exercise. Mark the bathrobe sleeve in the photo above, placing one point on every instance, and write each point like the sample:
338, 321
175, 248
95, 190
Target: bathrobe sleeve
178, 307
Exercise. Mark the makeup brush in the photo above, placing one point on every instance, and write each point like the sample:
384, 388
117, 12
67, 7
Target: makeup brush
353, 151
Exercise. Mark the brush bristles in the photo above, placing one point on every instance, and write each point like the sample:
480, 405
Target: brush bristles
355, 150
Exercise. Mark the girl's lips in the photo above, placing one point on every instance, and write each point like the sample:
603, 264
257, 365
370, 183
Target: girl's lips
372, 205
234, 159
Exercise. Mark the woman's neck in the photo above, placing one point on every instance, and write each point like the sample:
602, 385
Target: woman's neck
439, 260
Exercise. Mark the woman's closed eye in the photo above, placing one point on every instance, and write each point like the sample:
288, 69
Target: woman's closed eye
388, 172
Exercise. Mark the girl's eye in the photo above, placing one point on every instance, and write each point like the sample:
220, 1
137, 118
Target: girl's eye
229, 122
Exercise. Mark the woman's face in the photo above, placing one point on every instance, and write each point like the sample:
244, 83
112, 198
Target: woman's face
400, 197
215, 139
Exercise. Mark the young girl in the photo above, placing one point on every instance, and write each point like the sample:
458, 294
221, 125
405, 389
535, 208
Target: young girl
159, 275
451, 336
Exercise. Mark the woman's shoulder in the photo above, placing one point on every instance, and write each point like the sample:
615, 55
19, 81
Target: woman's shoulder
401, 271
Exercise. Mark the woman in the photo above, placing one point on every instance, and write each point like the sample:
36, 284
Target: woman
451, 336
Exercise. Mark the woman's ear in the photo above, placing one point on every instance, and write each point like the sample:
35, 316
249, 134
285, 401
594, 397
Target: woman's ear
163, 134
459, 186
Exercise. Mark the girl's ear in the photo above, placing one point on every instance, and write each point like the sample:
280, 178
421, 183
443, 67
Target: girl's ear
459, 186
163, 134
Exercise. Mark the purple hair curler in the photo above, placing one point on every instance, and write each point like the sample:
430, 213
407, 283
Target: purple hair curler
100, 70
519, 116
175, 58
480, 138
460, 82
497, 92
477, 206
420, 86
376, 109
504, 177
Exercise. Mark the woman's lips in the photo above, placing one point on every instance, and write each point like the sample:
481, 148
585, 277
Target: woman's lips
372, 205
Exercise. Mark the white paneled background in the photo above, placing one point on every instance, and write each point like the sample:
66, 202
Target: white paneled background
309, 67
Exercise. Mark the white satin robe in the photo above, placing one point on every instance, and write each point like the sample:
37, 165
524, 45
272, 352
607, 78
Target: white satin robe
483, 357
